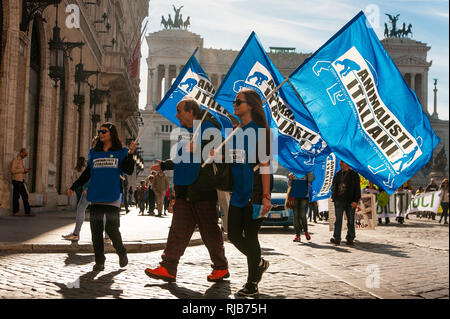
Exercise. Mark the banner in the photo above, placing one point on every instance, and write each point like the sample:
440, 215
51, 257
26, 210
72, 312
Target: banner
300, 145
193, 81
363, 108
323, 178
133, 64
425, 202
365, 216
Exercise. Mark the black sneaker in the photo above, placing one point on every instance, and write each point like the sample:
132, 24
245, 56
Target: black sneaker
335, 241
262, 269
123, 260
350, 242
98, 267
249, 290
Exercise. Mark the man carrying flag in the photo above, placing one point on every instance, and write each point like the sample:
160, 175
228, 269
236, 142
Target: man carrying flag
363, 108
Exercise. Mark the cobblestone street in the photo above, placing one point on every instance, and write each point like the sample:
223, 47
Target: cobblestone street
404, 268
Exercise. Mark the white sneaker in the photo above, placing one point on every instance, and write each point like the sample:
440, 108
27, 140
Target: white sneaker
71, 237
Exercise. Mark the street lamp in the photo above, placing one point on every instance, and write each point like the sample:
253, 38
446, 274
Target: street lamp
96, 98
58, 50
108, 114
81, 76
30, 8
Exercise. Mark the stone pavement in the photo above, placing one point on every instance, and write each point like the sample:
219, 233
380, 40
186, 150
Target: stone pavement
43, 232
384, 263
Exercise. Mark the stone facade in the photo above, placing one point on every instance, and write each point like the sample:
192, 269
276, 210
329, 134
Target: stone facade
170, 49
43, 118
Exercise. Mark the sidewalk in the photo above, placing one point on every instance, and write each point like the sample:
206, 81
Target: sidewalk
42, 233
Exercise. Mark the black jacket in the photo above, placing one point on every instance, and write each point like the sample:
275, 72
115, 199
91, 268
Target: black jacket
353, 188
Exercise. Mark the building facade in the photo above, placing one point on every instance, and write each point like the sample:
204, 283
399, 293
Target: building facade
56, 120
170, 49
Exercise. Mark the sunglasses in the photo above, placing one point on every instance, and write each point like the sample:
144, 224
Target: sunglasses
239, 102
102, 131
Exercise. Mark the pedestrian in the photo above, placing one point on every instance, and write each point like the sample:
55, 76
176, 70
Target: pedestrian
125, 192
167, 200
159, 187
299, 190
408, 186
195, 204
130, 196
402, 206
136, 193
76, 172
346, 193
141, 197
444, 200
18, 172
250, 187
107, 161
432, 187
150, 195
420, 214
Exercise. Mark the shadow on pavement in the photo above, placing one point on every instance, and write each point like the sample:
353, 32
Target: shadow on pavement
219, 290
330, 246
91, 287
270, 251
75, 259
379, 248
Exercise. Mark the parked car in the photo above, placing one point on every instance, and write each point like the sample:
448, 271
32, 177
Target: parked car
278, 215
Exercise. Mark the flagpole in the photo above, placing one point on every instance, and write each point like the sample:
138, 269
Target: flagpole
234, 132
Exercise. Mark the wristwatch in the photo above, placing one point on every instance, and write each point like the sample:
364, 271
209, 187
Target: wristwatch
266, 196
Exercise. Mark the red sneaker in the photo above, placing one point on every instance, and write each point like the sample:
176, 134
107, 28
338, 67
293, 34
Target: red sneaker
297, 239
218, 275
160, 273
307, 235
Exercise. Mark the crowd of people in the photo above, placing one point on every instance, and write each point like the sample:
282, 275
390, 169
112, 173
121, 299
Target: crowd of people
100, 182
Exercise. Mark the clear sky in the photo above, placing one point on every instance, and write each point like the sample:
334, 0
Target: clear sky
306, 25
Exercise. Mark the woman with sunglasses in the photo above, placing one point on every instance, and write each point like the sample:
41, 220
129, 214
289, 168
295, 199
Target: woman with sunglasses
107, 160
250, 187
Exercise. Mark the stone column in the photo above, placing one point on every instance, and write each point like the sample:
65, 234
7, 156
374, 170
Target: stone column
166, 77
413, 82
154, 97
425, 91
180, 68
149, 87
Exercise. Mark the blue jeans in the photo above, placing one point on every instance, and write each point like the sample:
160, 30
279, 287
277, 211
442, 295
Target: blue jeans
300, 221
339, 208
81, 215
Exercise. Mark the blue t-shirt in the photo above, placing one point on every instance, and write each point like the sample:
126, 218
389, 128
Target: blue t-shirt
244, 158
105, 167
187, 166
299, 188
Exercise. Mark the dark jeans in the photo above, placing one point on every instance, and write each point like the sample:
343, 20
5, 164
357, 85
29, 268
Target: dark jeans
300, 220
339, 208
243, 233
444, 211
20, 190
112, 229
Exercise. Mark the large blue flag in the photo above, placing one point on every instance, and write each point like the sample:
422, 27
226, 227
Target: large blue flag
193, 81
364, 110
300, 145
323, 178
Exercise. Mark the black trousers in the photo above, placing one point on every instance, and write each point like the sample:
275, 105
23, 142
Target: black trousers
243, 233
20, 190
111, 227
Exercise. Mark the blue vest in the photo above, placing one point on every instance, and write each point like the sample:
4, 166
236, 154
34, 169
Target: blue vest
242, 169
104, 186
185, 171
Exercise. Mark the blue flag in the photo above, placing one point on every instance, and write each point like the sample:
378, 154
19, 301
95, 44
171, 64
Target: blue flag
363, 107
323, 178
300, 145
193, 82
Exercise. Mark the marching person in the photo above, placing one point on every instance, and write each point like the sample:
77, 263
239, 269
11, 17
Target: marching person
444, 200
142, 197
18, 172
345, 193
195, 204
249, 187
150, 195
300, 192
432, 187
107, 160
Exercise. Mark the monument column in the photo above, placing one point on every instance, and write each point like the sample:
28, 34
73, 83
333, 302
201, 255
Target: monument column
166, 77
413, 82
154, 92
425, 91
